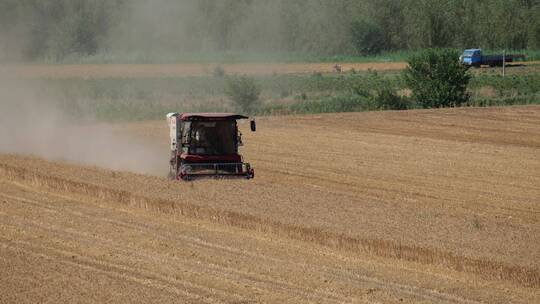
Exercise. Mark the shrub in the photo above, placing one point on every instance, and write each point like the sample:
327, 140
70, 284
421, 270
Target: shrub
381, 91
437, 79
219, 71
387, 99
334, 104
244, 92
384, 95
284, 93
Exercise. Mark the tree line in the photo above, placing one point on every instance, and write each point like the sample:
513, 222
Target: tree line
54, 29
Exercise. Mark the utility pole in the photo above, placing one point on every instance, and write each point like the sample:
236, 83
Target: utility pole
504, 63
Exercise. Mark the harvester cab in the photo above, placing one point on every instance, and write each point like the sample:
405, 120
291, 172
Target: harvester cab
206, 145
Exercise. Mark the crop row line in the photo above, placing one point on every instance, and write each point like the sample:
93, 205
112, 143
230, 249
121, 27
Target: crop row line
483, 267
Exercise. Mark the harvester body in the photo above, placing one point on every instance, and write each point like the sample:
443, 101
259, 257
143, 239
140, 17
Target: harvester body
206, 145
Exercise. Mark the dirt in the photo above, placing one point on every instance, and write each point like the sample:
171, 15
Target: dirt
434, 206
195, 69
179, 70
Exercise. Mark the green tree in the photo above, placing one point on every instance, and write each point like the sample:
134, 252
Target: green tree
388, 15
534, 27
368, 38
437, 79
64, 29
244, 92
430, 24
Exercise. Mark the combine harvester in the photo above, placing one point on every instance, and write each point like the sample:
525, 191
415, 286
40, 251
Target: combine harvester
206, 145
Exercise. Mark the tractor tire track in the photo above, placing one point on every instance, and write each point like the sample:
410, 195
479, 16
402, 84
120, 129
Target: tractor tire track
156, 279
382, 248
264, 283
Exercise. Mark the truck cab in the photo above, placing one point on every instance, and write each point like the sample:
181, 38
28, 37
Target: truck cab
471, 57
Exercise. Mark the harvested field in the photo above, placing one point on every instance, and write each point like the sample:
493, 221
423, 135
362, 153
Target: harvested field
59, 247
451, 196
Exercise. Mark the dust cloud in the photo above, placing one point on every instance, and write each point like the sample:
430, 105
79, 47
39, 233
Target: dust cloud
161, 27
35, 123
165, 31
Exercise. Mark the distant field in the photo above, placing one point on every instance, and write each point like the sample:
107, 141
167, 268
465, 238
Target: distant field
138, 92
180, 70
135, 57
453, 192
192, 69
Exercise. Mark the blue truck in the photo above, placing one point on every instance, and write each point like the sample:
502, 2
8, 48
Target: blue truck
474, 58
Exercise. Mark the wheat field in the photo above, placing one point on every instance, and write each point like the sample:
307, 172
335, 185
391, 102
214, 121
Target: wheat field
418, 206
